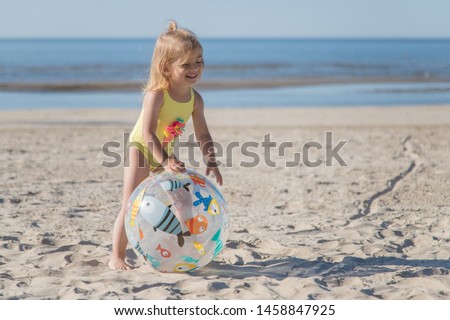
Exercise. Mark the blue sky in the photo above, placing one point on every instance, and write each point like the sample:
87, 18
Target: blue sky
231, 18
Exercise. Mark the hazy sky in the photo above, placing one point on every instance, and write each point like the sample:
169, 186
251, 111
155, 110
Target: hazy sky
230, 18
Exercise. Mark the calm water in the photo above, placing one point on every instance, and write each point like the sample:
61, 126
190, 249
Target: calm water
91, 62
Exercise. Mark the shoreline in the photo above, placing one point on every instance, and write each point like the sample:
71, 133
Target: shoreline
213, 84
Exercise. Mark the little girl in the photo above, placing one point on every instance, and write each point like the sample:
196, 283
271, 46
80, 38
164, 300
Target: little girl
169, 101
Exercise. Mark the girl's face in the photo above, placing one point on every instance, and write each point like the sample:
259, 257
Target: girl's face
187, 71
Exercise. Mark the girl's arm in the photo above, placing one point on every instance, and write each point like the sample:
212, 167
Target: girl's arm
152, 104
204, 137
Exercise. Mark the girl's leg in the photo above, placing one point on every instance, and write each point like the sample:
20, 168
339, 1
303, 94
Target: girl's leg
134, 174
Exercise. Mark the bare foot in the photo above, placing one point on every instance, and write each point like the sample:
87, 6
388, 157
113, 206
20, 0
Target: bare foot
117, 263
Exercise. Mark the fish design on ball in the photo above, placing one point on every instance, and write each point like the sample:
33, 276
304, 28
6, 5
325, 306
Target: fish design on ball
172, 185
213, 208
164, 252
209, 204
155, 263
185, 267
141, 233
219, 243
199, 247
136, 204
197, 224
162, 218
189, 259
197, 179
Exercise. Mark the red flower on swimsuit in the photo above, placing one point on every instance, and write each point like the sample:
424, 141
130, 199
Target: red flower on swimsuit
174, 130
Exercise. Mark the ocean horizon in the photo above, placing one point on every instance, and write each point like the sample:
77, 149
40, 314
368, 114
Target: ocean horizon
244, 72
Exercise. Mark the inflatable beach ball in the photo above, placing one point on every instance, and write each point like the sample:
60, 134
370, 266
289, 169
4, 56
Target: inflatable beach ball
178, 223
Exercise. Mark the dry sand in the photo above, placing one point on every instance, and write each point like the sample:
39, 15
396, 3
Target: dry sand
377, 228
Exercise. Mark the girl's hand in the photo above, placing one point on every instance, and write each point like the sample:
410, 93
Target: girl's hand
215, 170
173, 165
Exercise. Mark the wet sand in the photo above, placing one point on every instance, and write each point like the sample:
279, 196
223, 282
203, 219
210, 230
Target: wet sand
133, 86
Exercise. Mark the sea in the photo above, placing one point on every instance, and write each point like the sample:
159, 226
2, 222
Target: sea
239, 73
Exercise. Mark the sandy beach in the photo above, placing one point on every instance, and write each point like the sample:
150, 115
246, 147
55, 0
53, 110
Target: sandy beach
375, 228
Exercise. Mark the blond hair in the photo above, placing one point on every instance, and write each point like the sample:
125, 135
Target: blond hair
174, 44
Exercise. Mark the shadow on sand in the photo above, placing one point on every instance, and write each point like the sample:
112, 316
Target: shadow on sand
350, 267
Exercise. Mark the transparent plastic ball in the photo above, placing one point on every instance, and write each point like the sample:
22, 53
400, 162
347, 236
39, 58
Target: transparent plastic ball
177, 222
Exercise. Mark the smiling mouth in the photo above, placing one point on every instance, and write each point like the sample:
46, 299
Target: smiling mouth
192, 76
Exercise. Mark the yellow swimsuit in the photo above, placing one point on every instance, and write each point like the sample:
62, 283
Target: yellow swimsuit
172, 118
